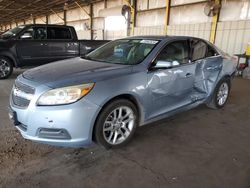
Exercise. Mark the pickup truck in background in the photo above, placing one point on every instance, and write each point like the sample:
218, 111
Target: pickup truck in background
37, 44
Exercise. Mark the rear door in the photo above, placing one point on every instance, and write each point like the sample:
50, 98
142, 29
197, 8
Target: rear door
209, 65
62, 43
32, 47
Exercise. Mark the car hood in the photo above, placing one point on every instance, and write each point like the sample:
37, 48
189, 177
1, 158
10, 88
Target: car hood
75, 71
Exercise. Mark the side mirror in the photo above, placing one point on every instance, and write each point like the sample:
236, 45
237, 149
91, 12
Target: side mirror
165, 64
87, 49
26, 36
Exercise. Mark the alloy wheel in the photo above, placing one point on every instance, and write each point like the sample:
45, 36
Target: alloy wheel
222, 94
118, 125
4, 68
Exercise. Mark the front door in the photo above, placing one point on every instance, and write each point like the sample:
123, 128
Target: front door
32, 48
171, 88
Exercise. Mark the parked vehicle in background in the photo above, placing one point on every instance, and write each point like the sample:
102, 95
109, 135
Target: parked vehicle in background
126, 83
37, 44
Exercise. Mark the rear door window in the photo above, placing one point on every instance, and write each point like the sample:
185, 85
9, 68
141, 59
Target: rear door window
59, 33
211, 51
199, 49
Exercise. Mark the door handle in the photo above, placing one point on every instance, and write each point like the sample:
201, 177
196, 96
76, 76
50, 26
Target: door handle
188, 75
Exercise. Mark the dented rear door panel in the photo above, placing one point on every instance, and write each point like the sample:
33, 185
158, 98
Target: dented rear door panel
206, 76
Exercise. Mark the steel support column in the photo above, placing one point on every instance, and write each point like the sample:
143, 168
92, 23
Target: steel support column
91, 21
215, 20
133, 16
132, 19
105, 3
47, 19
167, 15
65, 17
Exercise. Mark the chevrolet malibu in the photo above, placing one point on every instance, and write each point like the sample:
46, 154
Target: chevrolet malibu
104, 96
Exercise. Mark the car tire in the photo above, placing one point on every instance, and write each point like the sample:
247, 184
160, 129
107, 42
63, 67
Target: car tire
116, 124
220, 94
6, 67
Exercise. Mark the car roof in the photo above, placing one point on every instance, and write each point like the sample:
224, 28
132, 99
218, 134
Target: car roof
44, 25
160, 37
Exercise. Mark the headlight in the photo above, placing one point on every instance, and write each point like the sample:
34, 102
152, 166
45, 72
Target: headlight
65, 95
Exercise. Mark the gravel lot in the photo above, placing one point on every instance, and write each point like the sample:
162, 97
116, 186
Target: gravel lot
198, 148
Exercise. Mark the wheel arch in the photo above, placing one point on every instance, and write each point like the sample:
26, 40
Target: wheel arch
128, 97
10, 57
227, 77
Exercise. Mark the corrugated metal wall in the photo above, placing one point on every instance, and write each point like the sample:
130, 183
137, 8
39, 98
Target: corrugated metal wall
80, 21
155, 30
232, 32
201, 30
233, 36
111, 35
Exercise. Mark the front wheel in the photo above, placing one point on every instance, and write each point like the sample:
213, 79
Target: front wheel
116, 124
6, 68
221, 94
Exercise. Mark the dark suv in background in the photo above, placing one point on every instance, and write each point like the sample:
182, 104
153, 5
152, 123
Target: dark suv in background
37, 44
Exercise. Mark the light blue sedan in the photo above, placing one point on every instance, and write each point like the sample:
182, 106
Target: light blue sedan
126, 83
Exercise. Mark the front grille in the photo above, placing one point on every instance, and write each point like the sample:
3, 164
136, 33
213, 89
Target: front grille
24, 88
19, 101
21, 94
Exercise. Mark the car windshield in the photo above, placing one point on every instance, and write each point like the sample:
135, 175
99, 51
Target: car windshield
12, 32
124, 51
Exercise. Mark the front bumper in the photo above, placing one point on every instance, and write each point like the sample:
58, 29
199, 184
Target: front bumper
65, 125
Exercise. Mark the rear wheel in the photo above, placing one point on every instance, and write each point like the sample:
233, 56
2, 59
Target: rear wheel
221, 94
116, 124
6, 68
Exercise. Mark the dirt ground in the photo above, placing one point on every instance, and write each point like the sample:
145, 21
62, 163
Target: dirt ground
199, 148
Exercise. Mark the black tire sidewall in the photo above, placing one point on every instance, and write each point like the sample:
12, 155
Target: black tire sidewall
98, 130
11, 67
228, 82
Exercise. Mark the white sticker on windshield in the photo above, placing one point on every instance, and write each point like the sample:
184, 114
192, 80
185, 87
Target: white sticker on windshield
149, 41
